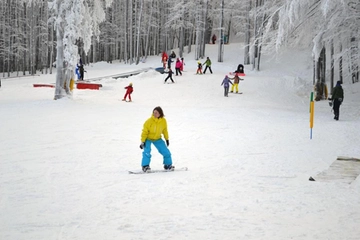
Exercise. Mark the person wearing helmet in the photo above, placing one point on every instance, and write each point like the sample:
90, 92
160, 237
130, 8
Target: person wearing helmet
129, 90
199, 69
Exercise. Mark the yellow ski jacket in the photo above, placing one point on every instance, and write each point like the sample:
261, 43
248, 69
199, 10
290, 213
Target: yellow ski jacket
153, 128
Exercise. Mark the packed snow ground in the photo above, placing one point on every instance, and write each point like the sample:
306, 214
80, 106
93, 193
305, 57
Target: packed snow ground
64, 163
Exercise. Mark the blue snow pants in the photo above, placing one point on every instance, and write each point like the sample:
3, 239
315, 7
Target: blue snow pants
161, 147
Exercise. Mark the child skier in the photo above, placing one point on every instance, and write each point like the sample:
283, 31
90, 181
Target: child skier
199, 69
236, 79
129, 90
226, 82
178, 66
182, 65
170, 73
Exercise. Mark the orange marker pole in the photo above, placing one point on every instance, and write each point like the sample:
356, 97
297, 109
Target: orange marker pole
312, 107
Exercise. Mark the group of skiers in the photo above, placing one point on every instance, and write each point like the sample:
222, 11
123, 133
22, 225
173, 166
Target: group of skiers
235, 86
179, 68
156, 126
207, 64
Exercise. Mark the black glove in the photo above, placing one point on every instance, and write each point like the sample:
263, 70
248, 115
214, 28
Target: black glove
167, 142
142, 145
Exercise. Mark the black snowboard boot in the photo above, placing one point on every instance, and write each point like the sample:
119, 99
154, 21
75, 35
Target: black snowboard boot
146, 168
169, 167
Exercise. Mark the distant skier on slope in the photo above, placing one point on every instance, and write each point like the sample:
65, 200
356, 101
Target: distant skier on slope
129, 90
164, 58
337, 98
178, 66
226, 82
170, 73
236, 79
199, 69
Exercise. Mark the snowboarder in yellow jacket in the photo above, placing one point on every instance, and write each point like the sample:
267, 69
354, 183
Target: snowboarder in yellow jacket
152, 130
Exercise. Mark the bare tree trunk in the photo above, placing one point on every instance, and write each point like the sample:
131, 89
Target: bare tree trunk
198, 30
32, 40
60, 65
221, 35
340, 66
353, 60
261, 33
257, 33
147, 38
24, 42
181, 30
320, 75
229, 29
332, 74
138, 32
2, 35
131, 32
9, 40
51, 47
205, 32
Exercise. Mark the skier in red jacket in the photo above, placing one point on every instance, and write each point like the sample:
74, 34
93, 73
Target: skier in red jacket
164, 59
129, 90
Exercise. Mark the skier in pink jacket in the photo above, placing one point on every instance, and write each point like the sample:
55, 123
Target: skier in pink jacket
178, 66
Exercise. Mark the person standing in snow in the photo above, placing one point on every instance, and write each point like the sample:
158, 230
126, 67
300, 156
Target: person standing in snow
182, 65
129, 90
207, 65
164, 58
170, 73
213, 39
236, 79
152, 132
173, 55
199, 69
226, 83
337, 97
169, 62
178, 66
81, 71
240, 69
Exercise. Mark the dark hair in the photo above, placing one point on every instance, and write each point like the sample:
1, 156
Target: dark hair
159, 110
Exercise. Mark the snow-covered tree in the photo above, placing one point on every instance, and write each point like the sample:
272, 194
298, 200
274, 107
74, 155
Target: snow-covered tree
73, 20
321, 24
